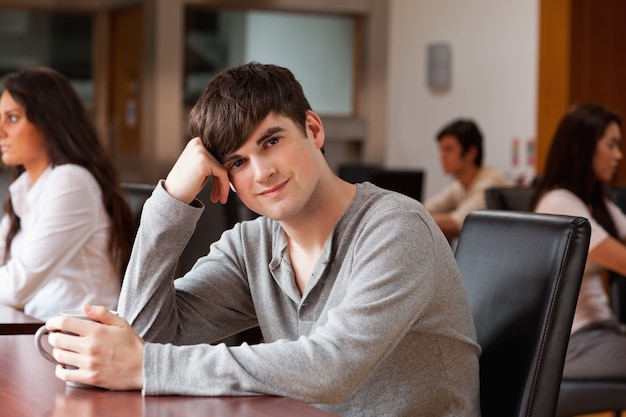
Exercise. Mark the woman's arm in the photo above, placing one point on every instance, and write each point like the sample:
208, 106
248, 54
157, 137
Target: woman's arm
611, 254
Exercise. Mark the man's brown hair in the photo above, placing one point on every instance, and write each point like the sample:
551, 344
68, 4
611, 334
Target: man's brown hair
237, 99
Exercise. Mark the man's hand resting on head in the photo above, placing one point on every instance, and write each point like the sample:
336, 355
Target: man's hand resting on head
191, 171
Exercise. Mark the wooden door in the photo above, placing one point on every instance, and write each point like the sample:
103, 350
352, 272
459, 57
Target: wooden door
598, 62
125, 83
581, 59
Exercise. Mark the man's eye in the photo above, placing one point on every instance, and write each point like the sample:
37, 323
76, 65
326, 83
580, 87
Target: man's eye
273, 141
237, 163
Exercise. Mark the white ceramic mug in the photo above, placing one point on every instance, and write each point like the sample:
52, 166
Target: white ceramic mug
42, 331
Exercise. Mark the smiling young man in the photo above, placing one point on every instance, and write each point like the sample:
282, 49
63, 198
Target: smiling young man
355, 288
461, 151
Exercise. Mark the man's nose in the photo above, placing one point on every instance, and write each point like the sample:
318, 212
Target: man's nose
263, 168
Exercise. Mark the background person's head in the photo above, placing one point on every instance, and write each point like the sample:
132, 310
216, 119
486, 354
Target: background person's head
53, 106
237, 99
574, 161
460, 144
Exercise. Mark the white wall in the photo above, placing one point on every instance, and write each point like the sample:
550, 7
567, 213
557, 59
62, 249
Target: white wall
494, 80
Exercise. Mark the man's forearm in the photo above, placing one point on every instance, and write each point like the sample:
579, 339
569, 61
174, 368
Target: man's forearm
447, 224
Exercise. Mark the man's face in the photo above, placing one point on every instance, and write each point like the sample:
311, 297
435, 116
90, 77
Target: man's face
276, 171
453, 160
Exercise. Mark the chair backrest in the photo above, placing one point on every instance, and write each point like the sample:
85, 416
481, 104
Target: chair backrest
355, 173
618, 195
407, 182
509, 198
522, 273
136, 195
617, 282
5, 182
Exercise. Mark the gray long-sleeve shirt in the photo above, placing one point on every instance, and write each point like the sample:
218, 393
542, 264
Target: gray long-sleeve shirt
383, 327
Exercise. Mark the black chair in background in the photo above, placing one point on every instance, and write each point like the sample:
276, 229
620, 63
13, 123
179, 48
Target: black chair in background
509, 198
617, 282
136, 195
356, 173
407, 182
5, 181
618, 195
585, 396
522, 273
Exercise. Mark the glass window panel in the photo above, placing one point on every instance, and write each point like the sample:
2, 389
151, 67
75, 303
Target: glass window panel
62, 41
318, 49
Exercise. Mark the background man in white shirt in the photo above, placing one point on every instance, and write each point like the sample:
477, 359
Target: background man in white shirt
461, 151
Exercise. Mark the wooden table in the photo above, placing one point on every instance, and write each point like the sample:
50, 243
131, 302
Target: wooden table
28, 388
13, 321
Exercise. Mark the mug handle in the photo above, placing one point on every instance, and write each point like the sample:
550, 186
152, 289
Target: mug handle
41, 332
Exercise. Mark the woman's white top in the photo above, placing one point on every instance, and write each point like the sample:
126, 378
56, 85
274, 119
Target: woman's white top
59, 259
593, 302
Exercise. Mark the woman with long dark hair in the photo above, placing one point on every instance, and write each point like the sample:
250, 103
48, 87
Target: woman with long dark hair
581, 164
66, 233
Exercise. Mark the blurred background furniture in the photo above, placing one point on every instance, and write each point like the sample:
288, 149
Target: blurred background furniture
509, 198
578, 396
618, 195
5, 181
136, 195
405, 181
522, 273
617, 283
356, 173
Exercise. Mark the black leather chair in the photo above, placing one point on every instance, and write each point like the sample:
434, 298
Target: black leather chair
509, 198
405, 181
136, 195
584, 396
5, 182
618, 195
355, 173
522, 273
618, 282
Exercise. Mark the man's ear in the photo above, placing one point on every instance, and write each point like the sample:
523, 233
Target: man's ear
471, 154
314, 126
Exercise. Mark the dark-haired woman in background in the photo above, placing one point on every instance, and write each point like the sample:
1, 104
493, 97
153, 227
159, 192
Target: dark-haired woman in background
581, 163
66, 233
